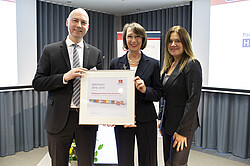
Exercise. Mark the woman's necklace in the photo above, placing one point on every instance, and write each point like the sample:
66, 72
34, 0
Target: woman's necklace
133, 62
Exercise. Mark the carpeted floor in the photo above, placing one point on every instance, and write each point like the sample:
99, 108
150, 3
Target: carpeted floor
223, 155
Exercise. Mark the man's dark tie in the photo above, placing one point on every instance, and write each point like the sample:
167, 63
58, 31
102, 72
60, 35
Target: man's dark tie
76, 82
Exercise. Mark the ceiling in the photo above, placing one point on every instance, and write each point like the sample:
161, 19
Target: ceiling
121, 7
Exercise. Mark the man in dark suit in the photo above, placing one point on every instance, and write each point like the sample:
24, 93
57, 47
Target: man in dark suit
57, 74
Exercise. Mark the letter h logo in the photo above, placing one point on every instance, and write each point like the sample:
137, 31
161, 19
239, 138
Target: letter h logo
246, 43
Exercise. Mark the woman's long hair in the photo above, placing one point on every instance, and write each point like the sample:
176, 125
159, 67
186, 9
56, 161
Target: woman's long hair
187, 46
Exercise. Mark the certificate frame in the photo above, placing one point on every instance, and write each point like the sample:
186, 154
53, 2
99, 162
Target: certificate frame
107, 97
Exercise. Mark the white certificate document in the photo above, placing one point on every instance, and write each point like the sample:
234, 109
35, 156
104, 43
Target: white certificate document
107, 97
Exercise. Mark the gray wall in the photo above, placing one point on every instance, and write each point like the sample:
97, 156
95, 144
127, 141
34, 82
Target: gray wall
26, 40
200, 34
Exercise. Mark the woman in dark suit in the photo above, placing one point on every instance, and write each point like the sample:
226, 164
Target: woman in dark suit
148, 89
181, 85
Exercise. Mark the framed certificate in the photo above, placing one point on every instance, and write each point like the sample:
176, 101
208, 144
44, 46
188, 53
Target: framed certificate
107, 97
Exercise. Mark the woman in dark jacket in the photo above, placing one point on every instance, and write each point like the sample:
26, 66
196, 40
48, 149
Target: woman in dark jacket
148, 89
181, 84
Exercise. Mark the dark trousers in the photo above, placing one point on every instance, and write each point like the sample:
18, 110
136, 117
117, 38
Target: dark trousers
146, 135
173, 158
85, 136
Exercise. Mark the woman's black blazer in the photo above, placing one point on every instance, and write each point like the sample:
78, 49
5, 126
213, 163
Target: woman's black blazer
181, 95
149, 71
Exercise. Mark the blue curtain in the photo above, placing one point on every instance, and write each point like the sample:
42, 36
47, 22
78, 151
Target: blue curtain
51, 27
225, 124
22, 115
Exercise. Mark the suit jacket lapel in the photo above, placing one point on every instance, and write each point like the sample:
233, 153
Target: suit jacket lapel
65, 53
143, 65
123, 63
173, 76
85, 54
